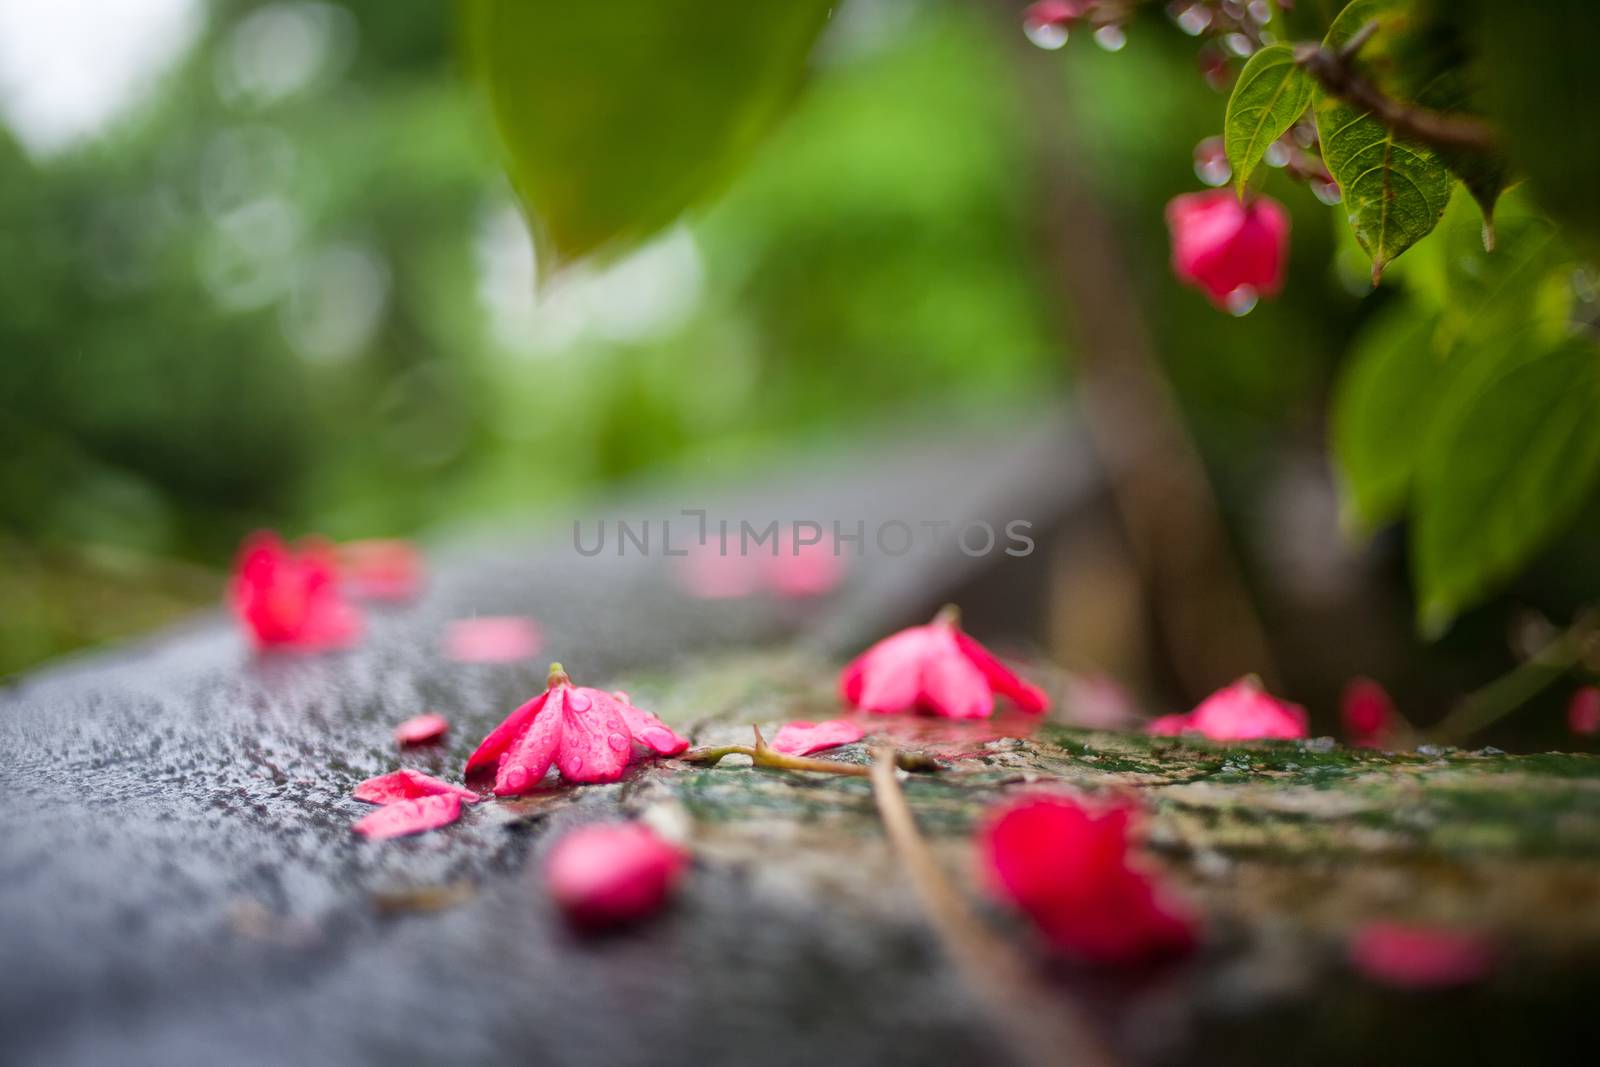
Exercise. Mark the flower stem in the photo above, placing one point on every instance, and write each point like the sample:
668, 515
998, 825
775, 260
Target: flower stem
1486, 706
762, 755
1044, 1028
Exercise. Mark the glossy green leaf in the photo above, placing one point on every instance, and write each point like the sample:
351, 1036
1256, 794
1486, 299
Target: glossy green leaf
1387, 390
1394, 190
615, 117
1271, 93
1505, 467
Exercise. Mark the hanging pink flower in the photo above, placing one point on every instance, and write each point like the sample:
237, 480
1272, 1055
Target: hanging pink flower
936, 668
1420, 957
801, 738
1241, 712
410, 816
422, 729
381, 569
1583, 711
407, 784
1368, 713
608, 874
492, 639
588, 734
289, 598
1066, 865
1232, 251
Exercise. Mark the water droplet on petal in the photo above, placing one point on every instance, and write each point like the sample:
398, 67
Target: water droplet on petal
618, 742
516, 777
1111, 37
1047, 35
575, 764
578, 700
1241, 301
622, 695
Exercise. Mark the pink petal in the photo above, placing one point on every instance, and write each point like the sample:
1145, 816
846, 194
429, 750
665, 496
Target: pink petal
422, 729
800, 571
595, 743
289, 599
954, 687
802, 738
1169, 726
492, 639
407, 784
1242, 711
528, 758
1001, 679
489, 751
410, 817
1367, 712
608, 874
1420, 957
891, 670
1583, 711
381, 569
650, 731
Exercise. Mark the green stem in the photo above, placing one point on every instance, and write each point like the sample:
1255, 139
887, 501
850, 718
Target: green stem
1486, 706
763, 756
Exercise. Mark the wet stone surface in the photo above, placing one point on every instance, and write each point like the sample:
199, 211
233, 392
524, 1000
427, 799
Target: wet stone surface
179, 883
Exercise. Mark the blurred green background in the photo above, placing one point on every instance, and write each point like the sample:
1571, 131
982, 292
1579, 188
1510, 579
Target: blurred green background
285, 284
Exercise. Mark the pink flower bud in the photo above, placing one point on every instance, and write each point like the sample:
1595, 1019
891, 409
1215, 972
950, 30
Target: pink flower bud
1583, 712
1241, 712
608, 874
1234, 252
1367, 712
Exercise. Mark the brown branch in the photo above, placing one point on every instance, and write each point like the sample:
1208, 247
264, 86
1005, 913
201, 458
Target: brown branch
1044, 1028
1336, 71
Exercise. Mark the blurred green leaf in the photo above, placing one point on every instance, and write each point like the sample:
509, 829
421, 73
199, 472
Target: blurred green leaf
1505, 467
617, 116
1271, 93
1386, 395
1395, 191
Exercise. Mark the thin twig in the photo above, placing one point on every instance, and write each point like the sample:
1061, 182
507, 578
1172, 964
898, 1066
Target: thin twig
1044, 1028
1336, 71
763, 755
1486, 706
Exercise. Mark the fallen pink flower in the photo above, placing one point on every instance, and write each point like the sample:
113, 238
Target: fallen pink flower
289, 599
1368, 713
1241, 712
492, 639
422, 729
381, 569
1583, 712
1066, 865
410, 816
801, 569
1232, 251
709, 573
801, 738
407, 784
588, 734
1420, 957
607, 874
937, 668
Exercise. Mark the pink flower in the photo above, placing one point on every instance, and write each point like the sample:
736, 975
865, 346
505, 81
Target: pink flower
588, 734
290, 598
410, 816
1066, 866
938, 668
381, 569
786, 567
1367, 712
802, 738
607, 874
407, 784
803, 570
1420, 957
492, 639
1232, 251
1583, 712
1241, 712
422, 729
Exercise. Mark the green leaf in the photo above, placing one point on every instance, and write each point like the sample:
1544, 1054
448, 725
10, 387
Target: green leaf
1504, 469
1394, 190
1271, 93
615, 117
1382, 405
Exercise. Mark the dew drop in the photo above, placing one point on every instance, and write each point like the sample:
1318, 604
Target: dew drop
1260, 12
1326, 191
1111, 37
575, 764
1211, 162
578, 700
1241, 301
622, 696
1276, 155
1191, 18
618, 742
1238, 44
516, 777
1046, 34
